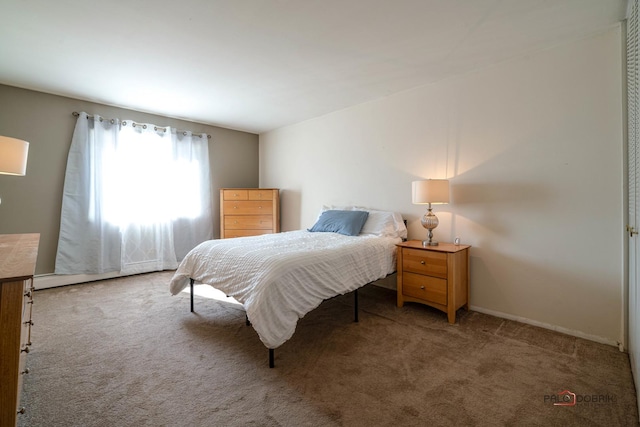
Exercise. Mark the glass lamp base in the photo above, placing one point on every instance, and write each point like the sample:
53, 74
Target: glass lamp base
429, 221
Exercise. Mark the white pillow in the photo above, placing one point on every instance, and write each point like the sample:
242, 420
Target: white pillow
379, 223
337, 208
334, 208
383, 223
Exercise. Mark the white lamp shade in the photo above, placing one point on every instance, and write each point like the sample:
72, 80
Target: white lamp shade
13, 156
435, 191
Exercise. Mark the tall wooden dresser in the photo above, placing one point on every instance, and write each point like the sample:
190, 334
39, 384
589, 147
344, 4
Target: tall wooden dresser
249, 211
18, 253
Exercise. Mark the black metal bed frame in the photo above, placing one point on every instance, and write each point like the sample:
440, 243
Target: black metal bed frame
272, 350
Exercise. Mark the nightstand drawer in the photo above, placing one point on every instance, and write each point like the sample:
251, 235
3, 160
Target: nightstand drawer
425, 287
424, 262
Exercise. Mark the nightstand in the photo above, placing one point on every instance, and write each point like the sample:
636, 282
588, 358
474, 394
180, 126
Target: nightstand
437, 276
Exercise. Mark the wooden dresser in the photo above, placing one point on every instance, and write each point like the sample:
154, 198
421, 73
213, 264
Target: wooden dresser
437, 276
18, 253
249, 211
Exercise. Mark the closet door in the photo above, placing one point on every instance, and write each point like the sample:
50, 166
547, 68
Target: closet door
633, 328
633, 138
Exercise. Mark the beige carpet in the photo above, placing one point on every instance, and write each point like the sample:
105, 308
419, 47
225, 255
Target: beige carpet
125, 352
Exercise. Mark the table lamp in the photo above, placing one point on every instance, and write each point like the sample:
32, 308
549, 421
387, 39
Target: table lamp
13, 156
428, 192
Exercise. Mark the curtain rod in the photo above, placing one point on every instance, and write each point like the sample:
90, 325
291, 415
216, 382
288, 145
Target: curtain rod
144, 126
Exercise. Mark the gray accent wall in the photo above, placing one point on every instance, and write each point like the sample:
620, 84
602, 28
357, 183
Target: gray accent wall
31, 203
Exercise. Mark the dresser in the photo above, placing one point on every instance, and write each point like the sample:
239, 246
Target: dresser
437, 276
249, 211
18, 253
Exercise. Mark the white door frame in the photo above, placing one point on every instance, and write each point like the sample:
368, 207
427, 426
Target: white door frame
631, 320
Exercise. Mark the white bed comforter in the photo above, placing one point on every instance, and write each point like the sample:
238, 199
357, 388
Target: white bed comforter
281, 277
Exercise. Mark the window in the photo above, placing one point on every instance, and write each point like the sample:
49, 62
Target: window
136, 197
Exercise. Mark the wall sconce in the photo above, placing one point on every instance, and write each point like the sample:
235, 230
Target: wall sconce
428, 192
13, 156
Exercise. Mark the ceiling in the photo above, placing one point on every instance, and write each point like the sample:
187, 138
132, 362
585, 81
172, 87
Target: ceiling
257, 65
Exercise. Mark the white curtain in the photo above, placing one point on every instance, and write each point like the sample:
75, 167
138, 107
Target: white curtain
136, 197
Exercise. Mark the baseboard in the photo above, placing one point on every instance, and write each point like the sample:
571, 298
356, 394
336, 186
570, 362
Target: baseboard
53, 280
45, 281
389, 282
560, 329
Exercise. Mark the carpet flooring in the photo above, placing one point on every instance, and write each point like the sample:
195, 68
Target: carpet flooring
124, 352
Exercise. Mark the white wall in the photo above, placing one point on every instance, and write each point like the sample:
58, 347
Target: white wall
534, 151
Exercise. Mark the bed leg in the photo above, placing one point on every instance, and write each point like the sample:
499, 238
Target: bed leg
271, 357
355, 305
191, 284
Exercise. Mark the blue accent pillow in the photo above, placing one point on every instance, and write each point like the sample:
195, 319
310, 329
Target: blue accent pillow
349, 223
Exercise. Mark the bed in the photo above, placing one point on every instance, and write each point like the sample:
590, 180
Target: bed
279, 278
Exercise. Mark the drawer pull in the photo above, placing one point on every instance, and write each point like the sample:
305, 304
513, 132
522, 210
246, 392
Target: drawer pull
235, 222
422, 287
25, 350
22, 410
422, 262
29, 322
27, 294
235, 207
30, 301
259, 207
25, 372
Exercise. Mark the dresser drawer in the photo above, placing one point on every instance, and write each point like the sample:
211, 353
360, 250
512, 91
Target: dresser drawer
249, 207
25, 334
27, 312
245, 233
235, 194
239, 222
427, 288
260, 194
424, 262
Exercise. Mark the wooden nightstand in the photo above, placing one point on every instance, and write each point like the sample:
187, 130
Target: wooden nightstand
437, 276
